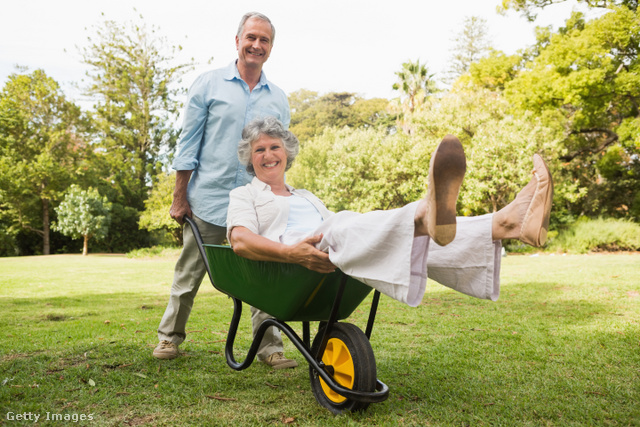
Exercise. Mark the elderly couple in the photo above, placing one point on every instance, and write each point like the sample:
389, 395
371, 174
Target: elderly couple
392, 251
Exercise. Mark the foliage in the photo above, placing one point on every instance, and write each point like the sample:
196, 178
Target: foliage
311, 113
415, 84
598, 235
492, 72
470, 45
498, 146
155, 252
156, 214
42, 148
83, 213
361, 169
586, 79
573, 97
529, 8
560, 347
135, 82
370, 169
8, 246
124, 233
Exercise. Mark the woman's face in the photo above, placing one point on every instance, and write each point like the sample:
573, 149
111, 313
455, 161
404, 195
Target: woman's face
269, 159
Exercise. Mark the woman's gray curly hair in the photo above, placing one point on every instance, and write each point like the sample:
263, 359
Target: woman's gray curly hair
272, 127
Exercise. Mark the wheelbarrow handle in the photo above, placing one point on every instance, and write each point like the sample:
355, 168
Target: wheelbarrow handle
198, 237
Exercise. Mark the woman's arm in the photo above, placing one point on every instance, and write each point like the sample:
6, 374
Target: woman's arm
253, 246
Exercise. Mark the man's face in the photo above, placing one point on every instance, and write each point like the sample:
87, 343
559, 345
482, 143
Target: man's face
254, 47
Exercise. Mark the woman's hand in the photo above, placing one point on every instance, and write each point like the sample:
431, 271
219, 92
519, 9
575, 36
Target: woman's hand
307, 255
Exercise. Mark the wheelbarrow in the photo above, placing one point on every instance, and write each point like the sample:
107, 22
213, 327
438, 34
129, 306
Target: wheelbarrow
342, 366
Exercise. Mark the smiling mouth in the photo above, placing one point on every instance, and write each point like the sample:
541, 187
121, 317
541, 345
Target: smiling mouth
270, 165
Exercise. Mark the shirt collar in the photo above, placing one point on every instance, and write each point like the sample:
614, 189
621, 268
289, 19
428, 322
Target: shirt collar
255, 182
231, 72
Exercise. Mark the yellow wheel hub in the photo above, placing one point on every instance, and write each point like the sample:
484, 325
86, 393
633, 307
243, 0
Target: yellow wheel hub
338, 356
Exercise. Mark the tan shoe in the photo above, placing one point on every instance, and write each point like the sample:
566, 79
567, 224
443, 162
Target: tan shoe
446, 171
278, 361
166, 350
536, 220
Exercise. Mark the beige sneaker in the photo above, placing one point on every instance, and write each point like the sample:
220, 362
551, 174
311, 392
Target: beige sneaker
278, 361
166, 350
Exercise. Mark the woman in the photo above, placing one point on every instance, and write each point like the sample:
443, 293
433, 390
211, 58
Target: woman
390, 251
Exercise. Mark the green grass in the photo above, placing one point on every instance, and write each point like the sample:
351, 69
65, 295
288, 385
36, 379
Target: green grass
560, 347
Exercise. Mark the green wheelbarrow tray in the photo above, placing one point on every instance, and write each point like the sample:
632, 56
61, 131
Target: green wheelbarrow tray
288, 292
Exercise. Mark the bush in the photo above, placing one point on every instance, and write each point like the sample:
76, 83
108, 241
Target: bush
598, 235
155, 251
124, 234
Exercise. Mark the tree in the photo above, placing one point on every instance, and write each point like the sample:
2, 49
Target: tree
492, 72
528, 8
470, 45
415, 83
498, 146
134, 80
83, 214
156, 213
42, 150
367, 169
586, 78
312, 113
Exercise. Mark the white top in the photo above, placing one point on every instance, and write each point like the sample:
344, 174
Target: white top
304, 218
255, 207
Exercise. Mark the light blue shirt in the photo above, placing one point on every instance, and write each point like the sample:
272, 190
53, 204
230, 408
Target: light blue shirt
218, 107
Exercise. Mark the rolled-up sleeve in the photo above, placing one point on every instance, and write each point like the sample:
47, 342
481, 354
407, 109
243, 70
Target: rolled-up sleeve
193, 125
241, 212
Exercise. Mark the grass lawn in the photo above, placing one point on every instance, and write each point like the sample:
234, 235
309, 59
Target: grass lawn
561, 347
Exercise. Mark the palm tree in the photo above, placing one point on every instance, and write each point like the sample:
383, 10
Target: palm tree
415, 82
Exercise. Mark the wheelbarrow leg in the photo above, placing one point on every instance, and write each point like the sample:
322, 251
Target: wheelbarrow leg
306, 334
332, 318
372, 313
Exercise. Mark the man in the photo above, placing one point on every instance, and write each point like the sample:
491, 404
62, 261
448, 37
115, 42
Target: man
220, 103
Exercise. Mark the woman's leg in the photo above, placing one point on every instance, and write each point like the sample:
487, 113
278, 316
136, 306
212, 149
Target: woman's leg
436, 213
379, 249
527, 217
471, 263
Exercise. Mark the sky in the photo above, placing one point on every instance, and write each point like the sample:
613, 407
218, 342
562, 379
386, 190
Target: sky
323, 46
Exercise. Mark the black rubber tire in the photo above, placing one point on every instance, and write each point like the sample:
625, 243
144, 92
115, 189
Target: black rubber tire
360, 359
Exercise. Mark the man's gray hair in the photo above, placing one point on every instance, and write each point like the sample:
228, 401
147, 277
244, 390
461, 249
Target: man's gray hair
256, 15
272, 127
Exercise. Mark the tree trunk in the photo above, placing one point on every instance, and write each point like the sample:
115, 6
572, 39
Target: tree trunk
45, 227
85, 247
